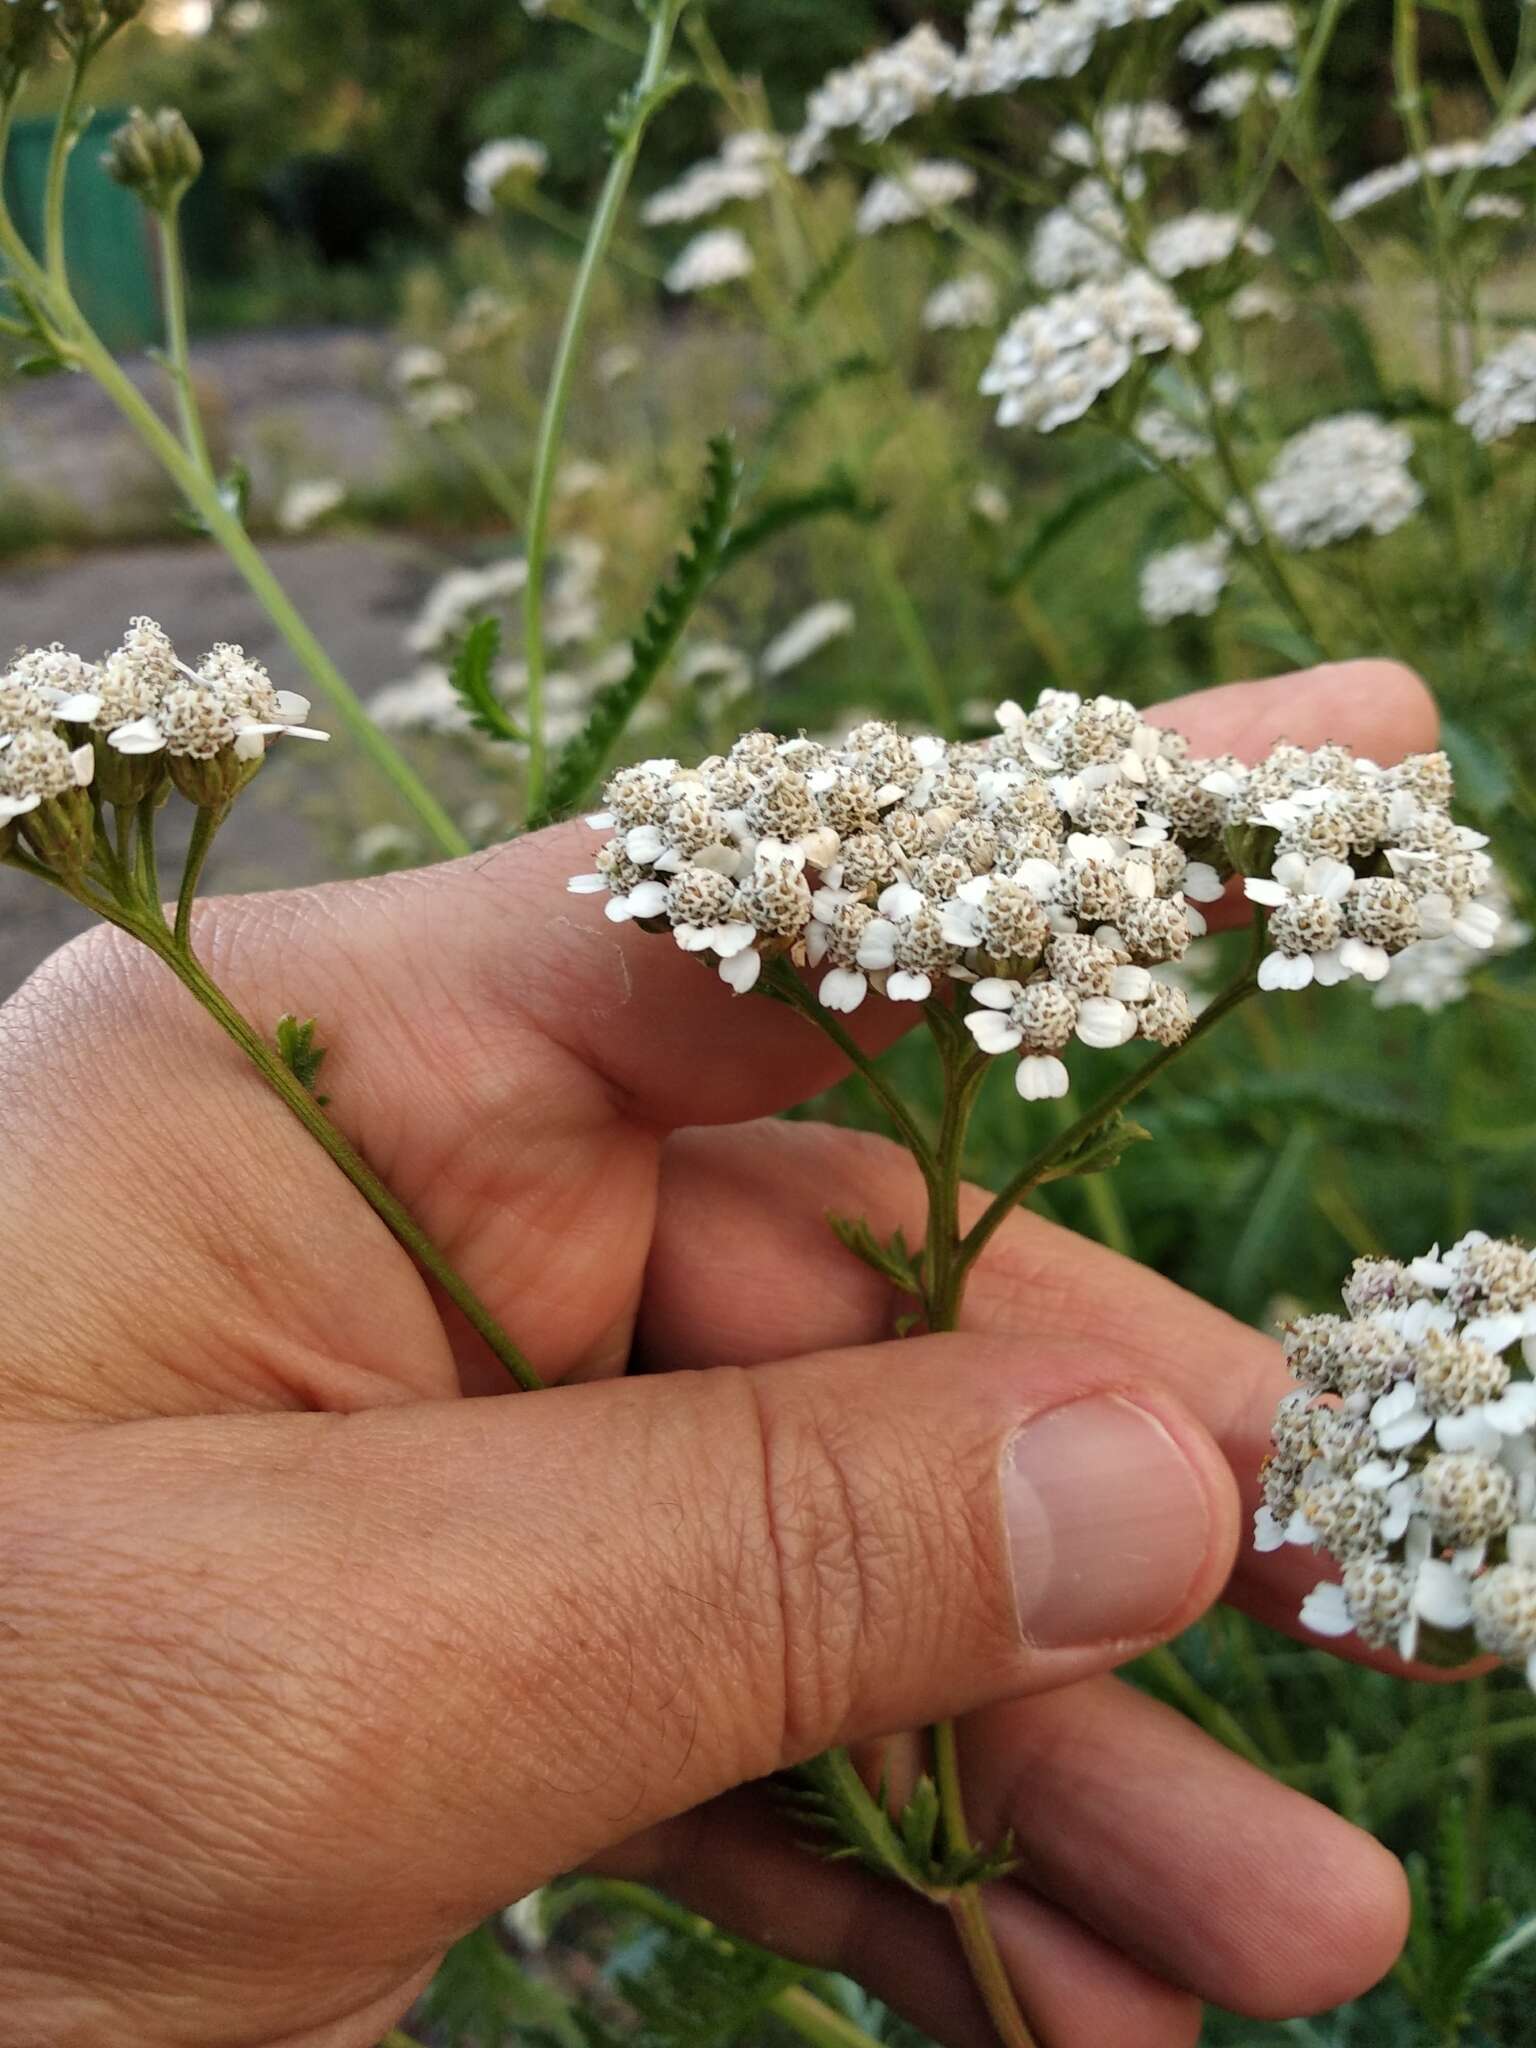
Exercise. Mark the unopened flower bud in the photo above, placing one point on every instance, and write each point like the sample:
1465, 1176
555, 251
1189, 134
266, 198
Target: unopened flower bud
24, 28
81, 20
156, 156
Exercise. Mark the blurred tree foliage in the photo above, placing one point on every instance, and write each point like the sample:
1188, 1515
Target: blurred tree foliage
346, 126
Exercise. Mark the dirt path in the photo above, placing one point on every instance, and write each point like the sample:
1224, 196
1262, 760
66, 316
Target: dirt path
357, 594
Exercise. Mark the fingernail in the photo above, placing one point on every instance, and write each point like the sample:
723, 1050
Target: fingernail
1107, 1520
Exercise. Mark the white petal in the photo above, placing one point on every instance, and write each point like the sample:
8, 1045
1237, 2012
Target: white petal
1472, 1432
77, 710
1412, 1429
1267, 1532
1284, 970
643, 844
302, 732
994, 994
729, 939
958, 925
617, 910
1330, 968
648, 899
295, 709
82, 765
17, 807
1257, 890
1330, 879
993, 1033
1369, 962
140, 736
1131, 984
900, 900
1496, 1332
1291, 870
909, 988
1102, 1022
1041, 877
1441, 1595
740, 973
1477, 925
587, 885
1324, 1612
251, 744
1201, 882
877, 948
843, 990
1376, 1474
1041, 1078
601, 821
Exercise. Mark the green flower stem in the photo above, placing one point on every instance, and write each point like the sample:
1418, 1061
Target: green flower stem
488, 472
1489, 69
1176, 1679
204, 832
173, 287
817, 2022
782, 984
573, 226
194, 978
66, 137
557, 402
205, 497
1048, 1163
148, 857
78, 342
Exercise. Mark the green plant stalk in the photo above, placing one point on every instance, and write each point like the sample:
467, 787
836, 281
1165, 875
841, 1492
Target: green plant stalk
205, 497
1045, 1165
173, 287
78, 341
1218, 1721
1410, 95
967, 1908
797, 2006
204, 832
487, 471
1489, 69
557, 401
66, 137
189, 971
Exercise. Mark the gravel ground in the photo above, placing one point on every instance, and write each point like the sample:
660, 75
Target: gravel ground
357, 594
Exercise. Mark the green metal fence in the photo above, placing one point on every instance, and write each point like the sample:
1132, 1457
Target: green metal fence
110, 235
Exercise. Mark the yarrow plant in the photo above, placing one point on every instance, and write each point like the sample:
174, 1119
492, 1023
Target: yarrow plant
1024, 894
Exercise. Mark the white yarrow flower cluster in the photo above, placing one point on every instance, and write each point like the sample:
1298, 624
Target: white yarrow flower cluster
1239, 30
742, 171
498, 169
1055, 359
718, 256
1200, 241
1229, 95
967, 301
1121, 136
876, 96
1435, 973
66, 724
916, 192
1079, 241
1337, 479
306, 503
1186, 582
1500, 150
1367, 862
1502, 397
1408, 1452
1035, 870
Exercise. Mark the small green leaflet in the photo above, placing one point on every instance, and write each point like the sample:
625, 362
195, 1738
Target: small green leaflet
473, 678
299, 1053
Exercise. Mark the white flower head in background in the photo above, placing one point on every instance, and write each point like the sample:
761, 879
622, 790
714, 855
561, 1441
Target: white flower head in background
440, 405
1202, 240
743, 171
498, 171
805, 637
1056, 359
1433, 973
877, 95
418, 365
1408, 1452
1338, 479
1186, 582
717, 257
1241, 30
967, 301
1502, 397
915, 192
306, 503
1122, 136
1080, 241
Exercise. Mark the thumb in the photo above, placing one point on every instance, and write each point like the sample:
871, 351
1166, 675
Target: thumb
416, 1661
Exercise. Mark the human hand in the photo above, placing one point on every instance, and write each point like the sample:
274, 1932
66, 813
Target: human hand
309, 1664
